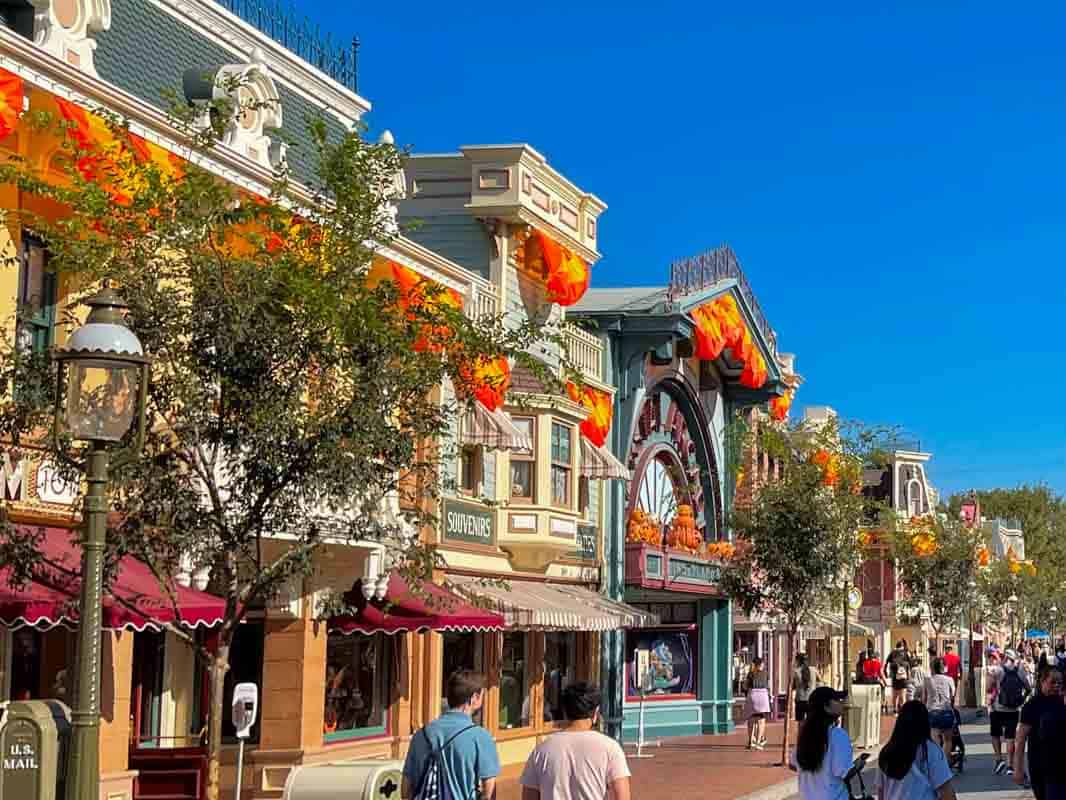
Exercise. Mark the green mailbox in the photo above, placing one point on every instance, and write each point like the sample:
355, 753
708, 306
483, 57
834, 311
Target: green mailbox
33, 739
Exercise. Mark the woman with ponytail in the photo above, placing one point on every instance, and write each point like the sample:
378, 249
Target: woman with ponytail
913, 766
823, 750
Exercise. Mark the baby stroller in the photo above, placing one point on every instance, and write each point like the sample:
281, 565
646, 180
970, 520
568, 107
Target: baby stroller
958, 746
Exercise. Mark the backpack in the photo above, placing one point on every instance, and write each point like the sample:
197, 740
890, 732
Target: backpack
431, 784
1011, 689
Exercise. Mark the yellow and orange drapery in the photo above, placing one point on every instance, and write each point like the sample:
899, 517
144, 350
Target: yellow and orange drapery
596, 460
566, 275
779, 406
12, 102
416, 291
720, 325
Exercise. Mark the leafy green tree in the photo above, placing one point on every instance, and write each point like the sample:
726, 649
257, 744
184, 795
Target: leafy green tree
935, 563
797, 538
291, 393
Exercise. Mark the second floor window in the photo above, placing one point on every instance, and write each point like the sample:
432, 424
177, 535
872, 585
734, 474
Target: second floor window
470, 470
524, 464
37, 292
562, 460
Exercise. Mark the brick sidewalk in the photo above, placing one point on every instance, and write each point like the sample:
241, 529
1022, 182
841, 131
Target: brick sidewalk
704, 767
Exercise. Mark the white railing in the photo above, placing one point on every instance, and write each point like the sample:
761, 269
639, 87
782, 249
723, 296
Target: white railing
586, 352
486, 304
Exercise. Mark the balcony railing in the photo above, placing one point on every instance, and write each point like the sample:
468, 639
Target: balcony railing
586, 352
485, 302
690, 275
280, 21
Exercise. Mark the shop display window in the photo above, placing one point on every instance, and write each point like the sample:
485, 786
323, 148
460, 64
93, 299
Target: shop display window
672, 656
560, 670
357, 685
562, 437
461, 651
514, 681
524, 464
39, 661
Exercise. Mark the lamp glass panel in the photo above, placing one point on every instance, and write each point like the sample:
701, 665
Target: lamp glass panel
101, 399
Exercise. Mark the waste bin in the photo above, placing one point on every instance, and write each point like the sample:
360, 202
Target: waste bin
369, 779
864, 715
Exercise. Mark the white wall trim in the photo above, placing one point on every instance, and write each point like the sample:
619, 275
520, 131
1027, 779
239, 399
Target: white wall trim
233, 33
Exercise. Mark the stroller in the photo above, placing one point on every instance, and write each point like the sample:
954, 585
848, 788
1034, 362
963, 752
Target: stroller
856, 773
958, 746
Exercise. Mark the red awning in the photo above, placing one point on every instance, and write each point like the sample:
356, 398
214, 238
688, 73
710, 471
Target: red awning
433, 608
135, 599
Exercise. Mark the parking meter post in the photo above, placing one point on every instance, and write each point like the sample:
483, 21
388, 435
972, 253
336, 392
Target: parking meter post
240, 769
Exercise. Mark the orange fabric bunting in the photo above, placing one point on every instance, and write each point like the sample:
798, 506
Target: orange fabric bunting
598, 403
416, 291
568, 274
489, 381
710, 340
779, 406
12, 95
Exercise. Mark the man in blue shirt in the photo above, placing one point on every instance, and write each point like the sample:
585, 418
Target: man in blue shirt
469, 756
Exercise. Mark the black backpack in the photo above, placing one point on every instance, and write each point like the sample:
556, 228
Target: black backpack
431, 785
1011, 689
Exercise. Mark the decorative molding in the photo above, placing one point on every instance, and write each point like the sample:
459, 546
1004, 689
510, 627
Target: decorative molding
238, 36
65, 28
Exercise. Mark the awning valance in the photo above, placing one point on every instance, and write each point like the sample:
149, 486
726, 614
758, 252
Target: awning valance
529, 605
135, 599
431, 608
492, 430
836, 624
599, 462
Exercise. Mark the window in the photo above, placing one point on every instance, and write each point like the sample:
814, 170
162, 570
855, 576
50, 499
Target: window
524, 464
357, 685
38, 665
561, 464
584, 496
17, 15
36, 297
470, 470
560, 670
514, 681
461, 651
671, 662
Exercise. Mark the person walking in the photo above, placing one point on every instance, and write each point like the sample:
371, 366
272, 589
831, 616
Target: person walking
805, 679
823, 752
1009, 688
453, 757
897, 668
938, 695
910, 768
757, 691
916, 678
577, 762
952, 665
1048, 699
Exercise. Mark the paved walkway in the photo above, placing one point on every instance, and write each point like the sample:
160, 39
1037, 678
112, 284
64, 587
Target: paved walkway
702, 768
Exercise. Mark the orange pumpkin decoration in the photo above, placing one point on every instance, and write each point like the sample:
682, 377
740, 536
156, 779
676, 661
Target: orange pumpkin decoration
984, 558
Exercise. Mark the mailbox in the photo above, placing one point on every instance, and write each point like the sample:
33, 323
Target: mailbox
351, 780
33, 742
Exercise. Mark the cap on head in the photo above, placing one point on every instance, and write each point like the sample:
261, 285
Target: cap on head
821, 696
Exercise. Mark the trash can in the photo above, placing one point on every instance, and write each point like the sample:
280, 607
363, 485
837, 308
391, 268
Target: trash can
370, 779
864, 715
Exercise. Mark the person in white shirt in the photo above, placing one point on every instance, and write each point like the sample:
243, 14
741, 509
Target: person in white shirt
912, 765
823, 753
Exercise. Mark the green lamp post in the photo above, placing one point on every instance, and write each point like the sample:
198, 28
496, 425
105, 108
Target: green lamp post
102, 383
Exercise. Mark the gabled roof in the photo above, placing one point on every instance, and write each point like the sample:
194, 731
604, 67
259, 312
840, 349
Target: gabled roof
622, 299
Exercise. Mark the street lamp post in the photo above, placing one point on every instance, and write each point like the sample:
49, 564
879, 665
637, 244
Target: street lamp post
101, 387
972, 676
1054, 611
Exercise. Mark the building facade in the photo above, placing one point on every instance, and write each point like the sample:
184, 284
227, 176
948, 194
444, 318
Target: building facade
682, 371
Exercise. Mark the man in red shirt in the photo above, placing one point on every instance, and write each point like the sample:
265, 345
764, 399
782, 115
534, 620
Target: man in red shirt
952, 664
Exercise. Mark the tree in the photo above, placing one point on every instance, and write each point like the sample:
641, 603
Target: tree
291, 390
936, 560
797, 536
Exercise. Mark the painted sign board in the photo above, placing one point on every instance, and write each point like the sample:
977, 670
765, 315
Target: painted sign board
468, 523
586, 548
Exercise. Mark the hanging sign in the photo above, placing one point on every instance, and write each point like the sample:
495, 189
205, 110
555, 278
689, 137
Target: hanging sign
468, 523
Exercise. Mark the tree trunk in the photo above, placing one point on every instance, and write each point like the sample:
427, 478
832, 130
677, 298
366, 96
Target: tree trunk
789, 695
218, 668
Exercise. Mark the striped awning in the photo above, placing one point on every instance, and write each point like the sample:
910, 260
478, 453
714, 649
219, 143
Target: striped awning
529, 605
492, 430
835, 622
599, 462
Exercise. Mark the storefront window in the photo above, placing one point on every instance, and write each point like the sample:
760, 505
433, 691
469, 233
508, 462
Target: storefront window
461, 651
671, 658
39, 661
514, 681
560, 667
357, 685
524, 464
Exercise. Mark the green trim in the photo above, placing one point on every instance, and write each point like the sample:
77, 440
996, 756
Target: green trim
356, 733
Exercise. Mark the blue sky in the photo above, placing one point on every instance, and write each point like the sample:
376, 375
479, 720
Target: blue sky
891, 180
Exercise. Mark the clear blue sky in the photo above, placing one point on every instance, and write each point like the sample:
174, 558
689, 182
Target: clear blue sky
892, 180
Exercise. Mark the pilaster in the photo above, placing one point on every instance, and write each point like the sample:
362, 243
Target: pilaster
116, 683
